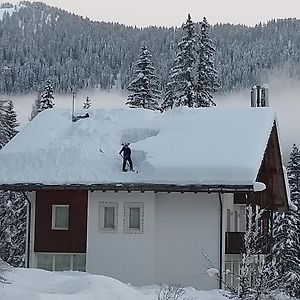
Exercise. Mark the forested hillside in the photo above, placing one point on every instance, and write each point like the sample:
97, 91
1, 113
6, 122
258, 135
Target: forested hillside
39, 42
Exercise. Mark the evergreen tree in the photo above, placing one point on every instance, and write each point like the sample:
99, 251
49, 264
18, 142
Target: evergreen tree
13, 209
4, 131
47, 96
13, 216
144, 87
36, 107
207, 82
87, 104
11, 120
181, 86
286, 245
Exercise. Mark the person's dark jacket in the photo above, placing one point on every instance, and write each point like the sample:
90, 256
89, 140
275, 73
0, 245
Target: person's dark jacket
126, 152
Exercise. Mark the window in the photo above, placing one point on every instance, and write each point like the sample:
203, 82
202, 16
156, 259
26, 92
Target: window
61, 261
108, 216
228, 219
60, 217
236, 221
133, 218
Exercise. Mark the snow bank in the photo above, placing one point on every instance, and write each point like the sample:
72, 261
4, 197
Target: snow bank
184, 146
33, 284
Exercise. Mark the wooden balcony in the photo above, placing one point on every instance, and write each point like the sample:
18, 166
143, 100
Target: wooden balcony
234, 243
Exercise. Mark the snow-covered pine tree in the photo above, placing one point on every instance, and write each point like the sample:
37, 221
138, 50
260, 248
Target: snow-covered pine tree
11, 120
4, 134
143, 89
87, 104
254, 270
207, 79
286, 241
181, 85
13, 209
36, 107
13, 216
47, 96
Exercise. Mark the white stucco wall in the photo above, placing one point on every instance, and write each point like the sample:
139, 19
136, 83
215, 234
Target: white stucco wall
177, 227
128, 257
186, 224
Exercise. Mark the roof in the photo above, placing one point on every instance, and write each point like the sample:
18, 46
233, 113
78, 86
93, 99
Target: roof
206, 147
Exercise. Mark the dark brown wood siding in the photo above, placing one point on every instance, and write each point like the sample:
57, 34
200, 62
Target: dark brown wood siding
71, 240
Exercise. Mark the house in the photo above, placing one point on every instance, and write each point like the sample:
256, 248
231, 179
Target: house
197, 170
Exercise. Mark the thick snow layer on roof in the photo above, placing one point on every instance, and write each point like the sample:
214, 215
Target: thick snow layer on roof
212, 146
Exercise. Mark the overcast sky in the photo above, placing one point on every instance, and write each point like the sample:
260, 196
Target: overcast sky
173, 12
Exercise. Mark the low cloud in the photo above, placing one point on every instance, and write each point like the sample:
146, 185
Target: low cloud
284, 99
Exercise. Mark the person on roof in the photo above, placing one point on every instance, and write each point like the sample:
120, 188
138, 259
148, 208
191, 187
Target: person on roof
125, 152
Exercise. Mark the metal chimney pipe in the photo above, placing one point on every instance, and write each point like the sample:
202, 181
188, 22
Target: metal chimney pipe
253, 96
265, 99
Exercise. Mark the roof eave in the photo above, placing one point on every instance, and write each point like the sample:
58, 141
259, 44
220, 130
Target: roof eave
132, 187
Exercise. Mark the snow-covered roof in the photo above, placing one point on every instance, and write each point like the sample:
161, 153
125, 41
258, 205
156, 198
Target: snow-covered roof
209, 146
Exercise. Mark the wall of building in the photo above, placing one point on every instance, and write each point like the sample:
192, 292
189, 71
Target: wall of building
176, 228
187, 225
72, 240
129, 257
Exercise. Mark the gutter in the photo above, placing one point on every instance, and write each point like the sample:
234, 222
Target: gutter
29, 228
221, 243
131, 187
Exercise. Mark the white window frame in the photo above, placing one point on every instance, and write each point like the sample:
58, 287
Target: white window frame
54, 206
101, 217
127, 206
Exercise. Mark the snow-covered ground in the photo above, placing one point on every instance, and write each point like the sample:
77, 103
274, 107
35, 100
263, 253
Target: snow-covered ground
33, 284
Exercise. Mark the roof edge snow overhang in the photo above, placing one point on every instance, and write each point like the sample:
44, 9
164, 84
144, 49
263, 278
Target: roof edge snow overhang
132, 187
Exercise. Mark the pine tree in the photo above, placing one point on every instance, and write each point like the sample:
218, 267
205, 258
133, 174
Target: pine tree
181, 85
11, 120
87, 104
47, 96
4, 131
13, 216
207, 81
144, 87
36, 107
286, 245
13, 209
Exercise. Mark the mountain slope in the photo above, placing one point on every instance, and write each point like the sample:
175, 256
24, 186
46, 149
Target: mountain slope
38, 42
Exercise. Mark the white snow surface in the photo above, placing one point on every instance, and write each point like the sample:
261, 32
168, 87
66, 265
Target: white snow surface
213, 146
10, 11
33, 284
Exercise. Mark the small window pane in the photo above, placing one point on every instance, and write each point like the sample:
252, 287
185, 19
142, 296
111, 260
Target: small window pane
134, 217
236, 221
109, 217
242, 218
44, 261
228, 220
62, 262
79, 262
228, 273
61, 217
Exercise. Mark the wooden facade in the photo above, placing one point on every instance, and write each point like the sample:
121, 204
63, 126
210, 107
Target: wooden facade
72, 240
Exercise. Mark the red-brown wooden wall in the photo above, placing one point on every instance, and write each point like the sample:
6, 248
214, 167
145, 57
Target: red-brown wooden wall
68, 241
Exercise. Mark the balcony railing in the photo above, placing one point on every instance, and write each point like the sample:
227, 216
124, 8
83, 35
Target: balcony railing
234, 243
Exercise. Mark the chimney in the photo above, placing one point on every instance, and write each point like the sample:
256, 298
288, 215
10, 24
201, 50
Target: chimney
260, 96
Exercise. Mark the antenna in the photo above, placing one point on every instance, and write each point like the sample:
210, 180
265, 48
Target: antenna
73, 106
